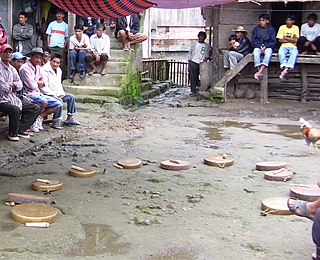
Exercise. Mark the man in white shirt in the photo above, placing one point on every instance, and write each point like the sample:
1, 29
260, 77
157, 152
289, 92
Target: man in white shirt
52, 75
309, 40
100, 51
79, 46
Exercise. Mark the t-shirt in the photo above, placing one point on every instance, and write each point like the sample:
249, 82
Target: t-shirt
310, 32
199, 52
85, 41
284, 31
58, 32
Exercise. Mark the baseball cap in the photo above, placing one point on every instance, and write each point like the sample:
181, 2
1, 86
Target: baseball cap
4, 47
18, 56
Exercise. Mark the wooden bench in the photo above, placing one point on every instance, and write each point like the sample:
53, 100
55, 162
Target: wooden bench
303, 60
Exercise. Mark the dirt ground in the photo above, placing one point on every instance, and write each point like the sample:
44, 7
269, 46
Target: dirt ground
149, 213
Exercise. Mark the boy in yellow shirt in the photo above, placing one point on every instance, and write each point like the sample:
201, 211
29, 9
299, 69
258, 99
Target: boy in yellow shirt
288, 37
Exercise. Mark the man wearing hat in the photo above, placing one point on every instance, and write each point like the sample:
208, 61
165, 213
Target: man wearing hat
17, 60
57, 36
231, 58
31, 76
21, 114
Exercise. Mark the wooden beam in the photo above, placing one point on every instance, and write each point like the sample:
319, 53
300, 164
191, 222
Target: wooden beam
304, 81
264, 87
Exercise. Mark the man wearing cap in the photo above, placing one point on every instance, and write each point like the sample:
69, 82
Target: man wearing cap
21, 114
57, 36
17, 60
22, 34
31, 76
231, 58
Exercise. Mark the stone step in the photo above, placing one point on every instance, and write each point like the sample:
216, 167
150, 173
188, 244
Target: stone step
115, 44
110, 80
146, 86
117, 67
120, 55
94, 90
96, 99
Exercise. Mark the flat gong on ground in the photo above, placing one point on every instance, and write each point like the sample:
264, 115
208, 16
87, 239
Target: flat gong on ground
282, 174
270, 166
76, 171
305, 192
275, 205
130, 163
175, 165
219, 160
34, 212
46, 185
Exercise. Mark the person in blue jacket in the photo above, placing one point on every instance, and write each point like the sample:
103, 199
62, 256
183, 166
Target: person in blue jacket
263, 38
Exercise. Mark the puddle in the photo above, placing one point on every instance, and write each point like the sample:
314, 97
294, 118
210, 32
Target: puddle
8, 226
214, 132
100, 239
175, 253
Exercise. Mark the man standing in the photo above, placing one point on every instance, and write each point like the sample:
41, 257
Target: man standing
309, 40
199, 52
127, 31
53, 87
22, 34
57, 36
21, 115
31, 76
243, 48
79, 46
100, 51
288, 37
263, 38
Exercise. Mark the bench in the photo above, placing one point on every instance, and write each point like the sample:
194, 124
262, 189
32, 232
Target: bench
303, 60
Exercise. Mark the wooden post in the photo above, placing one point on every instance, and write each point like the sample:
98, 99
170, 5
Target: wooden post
264, 87
304, 83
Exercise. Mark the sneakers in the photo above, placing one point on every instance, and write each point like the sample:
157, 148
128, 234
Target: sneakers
56, 124
82, 74
72, 74
40, 121
24, 135
13, 138
103, 72
37, 125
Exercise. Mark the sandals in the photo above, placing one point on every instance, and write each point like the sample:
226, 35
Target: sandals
257, 76
301, 205
71, 122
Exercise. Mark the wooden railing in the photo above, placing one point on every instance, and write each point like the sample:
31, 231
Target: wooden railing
163, 69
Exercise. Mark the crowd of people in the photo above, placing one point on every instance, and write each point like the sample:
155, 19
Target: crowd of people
264, 40
31, 77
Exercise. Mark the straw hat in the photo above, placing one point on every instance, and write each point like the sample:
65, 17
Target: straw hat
239, 29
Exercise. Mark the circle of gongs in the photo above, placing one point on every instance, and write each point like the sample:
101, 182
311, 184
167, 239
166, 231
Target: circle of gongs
81, 174
305, 192
175, 165
129, 163
52, 185
34, 212
219, 160
275, 205
270, 166
282, 174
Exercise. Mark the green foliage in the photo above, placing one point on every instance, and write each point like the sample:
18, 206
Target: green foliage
131, 88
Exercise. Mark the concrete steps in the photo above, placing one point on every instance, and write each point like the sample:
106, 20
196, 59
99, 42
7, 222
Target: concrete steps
94, 90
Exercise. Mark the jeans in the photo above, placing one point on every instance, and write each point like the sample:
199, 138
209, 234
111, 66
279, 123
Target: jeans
71, 106
287, 62
82, 60
194, 72
231, 59
316, 231
266, 57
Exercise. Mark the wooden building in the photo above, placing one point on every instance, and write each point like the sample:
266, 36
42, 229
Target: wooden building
304, 81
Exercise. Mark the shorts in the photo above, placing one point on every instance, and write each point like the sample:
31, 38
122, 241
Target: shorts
52, 102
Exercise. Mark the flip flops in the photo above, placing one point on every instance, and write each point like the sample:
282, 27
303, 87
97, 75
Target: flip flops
301, 205
257, 76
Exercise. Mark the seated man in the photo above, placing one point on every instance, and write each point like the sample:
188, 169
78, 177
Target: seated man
79, 45
52, 75
21, 115
231, 58
288, 37
100, 51
310, 210
309, 40
31, 76
127, 31
263, 38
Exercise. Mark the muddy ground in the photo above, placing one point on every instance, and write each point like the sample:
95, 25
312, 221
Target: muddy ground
150, 213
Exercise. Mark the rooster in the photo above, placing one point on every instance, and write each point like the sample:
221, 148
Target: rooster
310, 134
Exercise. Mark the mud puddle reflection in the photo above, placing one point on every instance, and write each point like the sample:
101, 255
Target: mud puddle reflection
100, 239
214, 131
